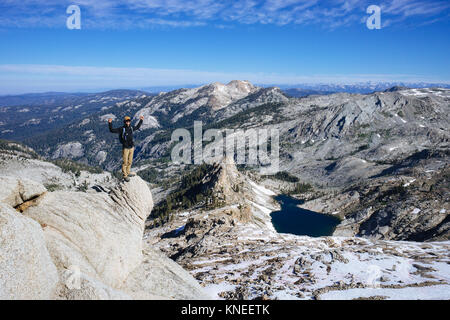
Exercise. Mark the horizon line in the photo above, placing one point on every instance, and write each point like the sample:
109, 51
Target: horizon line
281, 86
28, 78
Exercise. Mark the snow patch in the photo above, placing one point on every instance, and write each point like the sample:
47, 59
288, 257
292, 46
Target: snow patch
262, 189
107, 116
440, 292
409, 182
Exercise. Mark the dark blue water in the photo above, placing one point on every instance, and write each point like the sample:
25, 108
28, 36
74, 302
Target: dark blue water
292, 219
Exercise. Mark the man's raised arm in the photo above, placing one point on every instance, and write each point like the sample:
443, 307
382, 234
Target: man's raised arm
111, 129
136, 127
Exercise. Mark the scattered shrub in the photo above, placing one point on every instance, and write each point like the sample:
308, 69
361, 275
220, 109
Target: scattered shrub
83, 187
284, 176
190, 193
68, 165
53, 187
301, 188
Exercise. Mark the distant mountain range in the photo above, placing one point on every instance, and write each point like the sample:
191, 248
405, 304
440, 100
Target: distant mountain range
63, 98
305, 89
87, 138
301, 90
27, 115
294, 90
74, 125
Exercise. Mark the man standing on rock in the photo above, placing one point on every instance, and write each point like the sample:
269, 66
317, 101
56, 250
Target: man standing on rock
126, 138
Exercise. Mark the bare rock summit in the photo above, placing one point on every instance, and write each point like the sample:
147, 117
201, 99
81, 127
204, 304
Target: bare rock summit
80, 245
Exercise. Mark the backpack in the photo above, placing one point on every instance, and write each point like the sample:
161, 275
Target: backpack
123, 135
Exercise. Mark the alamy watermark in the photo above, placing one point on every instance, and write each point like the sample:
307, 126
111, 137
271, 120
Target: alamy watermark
254, 147
74, 20
73, 280
374, 275
374, 21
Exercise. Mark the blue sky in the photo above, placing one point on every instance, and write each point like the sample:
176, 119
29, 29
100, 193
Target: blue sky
143, 43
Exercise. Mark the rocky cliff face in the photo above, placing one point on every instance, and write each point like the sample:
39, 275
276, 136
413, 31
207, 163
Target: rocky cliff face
77, 245
27, 270
402, 209
408, 202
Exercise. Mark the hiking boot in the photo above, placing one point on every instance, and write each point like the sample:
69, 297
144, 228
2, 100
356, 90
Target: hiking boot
126, 179
132, 174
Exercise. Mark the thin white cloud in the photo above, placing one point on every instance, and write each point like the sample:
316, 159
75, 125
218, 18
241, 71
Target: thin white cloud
417, 7
187, 13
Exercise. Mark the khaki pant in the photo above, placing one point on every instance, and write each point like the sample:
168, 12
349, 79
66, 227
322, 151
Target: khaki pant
127, 160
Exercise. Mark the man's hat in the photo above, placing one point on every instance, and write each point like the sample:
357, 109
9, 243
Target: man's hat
127, 118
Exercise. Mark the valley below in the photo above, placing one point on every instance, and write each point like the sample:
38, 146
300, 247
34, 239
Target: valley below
236, 253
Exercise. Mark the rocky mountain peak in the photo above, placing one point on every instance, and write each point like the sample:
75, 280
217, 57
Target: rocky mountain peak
241, 85
220, 95
228, 184
396, 88
235, 195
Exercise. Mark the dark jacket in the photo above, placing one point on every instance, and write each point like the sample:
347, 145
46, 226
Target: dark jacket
126, 133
